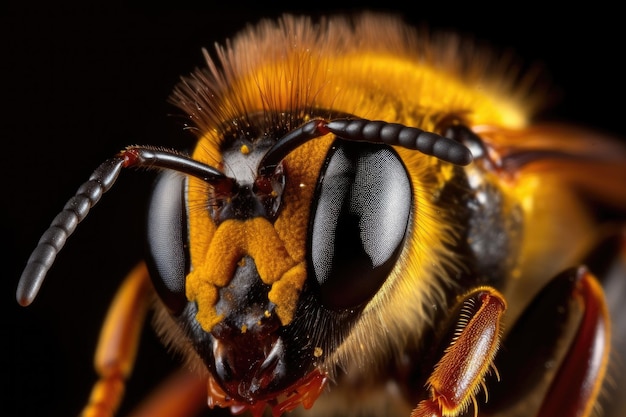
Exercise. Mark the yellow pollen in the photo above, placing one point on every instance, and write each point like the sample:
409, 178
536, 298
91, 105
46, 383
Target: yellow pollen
233, 240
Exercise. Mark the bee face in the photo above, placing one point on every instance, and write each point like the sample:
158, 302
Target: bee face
326, 225
262, 301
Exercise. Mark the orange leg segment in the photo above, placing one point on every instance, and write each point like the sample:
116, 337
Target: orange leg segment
460, 373
577, 384
182, 394
117, 346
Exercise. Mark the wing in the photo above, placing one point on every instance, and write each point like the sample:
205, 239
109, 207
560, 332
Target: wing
590, 162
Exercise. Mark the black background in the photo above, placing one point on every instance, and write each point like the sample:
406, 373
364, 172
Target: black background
79, 84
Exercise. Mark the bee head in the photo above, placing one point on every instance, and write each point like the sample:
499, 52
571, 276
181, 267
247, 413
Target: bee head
274, 265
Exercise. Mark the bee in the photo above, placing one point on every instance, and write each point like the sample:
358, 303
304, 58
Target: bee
371, 223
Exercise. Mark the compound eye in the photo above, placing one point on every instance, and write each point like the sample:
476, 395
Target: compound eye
359, 221
167, 256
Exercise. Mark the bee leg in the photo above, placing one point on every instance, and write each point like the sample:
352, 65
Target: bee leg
182, 394
577, 384
460, 373
554, 359
117, 346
